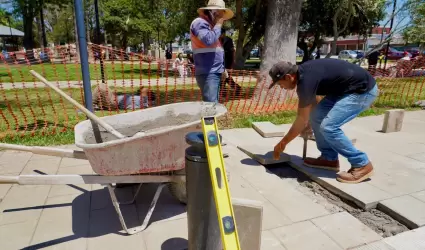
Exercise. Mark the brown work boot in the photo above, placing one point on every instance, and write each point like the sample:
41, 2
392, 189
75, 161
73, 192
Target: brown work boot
356, 175
322, 163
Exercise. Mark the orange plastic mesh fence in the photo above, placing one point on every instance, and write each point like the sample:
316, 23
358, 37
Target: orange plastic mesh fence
125, 81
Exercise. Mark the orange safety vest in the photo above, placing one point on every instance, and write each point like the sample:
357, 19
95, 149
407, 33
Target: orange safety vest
199, 47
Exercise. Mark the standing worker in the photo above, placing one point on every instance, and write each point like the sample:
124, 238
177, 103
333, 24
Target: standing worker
348, 90
229, 60
372, 60
208, 53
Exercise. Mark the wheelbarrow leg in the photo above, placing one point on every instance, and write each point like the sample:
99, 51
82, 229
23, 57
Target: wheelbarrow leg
116, 204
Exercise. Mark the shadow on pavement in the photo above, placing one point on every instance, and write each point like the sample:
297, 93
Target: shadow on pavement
174, 244
93, 214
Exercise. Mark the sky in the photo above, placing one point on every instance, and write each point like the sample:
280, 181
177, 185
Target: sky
398, 21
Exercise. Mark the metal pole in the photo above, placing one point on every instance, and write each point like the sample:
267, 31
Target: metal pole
84, 62
43, 28
391, 27
202, 220
96, 11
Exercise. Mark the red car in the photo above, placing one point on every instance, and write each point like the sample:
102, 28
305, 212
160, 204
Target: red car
394, 54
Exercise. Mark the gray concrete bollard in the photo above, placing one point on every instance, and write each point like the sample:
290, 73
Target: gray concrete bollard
393, 120
203, 228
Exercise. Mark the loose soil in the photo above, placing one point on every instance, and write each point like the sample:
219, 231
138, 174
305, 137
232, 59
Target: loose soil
378, 221
168, 120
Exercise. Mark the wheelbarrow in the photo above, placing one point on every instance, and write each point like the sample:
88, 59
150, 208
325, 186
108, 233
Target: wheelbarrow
153, 151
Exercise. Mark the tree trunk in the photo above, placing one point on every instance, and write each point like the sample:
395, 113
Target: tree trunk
280, 41
145, 43
39, 33
28, 42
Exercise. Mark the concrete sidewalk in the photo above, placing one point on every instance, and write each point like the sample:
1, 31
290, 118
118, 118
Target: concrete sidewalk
82, 216
136, 82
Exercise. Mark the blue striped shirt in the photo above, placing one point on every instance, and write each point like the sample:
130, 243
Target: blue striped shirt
207, 62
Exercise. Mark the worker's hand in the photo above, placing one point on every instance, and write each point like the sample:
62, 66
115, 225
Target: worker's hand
220, 21
279, 148
307, 132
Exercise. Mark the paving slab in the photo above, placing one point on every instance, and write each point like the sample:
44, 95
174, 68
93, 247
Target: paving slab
174, 238
249, 218
272, 217
105, 231
263, 154
270, 242
346, 230
23, 203
58, 190
71, 162
64, 223
268, 129
363, 194
407, 209
4, 188
42, 166
17, 235
167, 208
13, 161
378, 245
304, 236
419, 156
410, 240
419, 195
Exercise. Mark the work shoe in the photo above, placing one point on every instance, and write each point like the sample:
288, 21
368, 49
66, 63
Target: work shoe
356, 175
322, 163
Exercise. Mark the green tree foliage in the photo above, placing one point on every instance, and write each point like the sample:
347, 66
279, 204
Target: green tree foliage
415, 32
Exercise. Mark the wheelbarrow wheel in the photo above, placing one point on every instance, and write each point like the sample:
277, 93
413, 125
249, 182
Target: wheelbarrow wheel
178, 189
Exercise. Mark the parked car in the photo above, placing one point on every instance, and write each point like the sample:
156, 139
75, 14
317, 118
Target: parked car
394, 54
360, 53
414, 51
300, 53
347, 54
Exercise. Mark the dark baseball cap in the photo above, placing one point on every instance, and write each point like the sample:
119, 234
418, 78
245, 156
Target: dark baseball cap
279, 70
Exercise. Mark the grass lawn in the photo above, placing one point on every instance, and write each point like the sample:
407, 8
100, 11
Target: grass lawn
41, 117
72, 72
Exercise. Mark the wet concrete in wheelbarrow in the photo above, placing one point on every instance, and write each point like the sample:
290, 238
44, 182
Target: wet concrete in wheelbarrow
381, 223
168, 120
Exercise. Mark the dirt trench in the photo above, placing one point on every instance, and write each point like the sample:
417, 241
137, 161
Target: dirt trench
378, 221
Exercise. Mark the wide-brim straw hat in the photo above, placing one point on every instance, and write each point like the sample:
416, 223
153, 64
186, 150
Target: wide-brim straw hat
217, 5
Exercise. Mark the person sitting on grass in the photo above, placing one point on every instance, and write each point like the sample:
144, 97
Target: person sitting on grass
104, 98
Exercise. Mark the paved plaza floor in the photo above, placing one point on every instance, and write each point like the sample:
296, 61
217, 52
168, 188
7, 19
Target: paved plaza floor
82, 216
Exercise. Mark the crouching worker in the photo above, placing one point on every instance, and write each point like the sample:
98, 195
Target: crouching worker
105, 98
348, 90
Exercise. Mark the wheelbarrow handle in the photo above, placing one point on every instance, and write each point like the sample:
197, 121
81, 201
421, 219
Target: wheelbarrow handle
69, 153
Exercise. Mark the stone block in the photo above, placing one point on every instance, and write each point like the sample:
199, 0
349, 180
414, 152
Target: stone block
414, 239
263, 155
268, 129
393, 120
346, 230
406, 209
304, 236
249, 218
